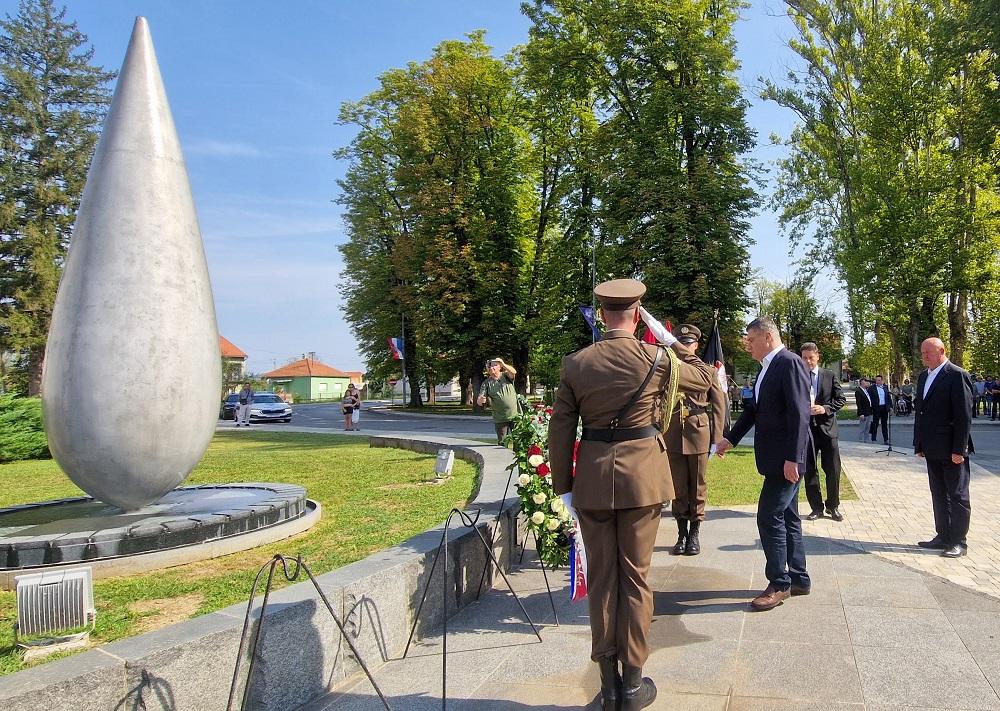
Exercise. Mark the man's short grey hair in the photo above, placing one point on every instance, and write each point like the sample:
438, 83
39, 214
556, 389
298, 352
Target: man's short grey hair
809, 346
764, 324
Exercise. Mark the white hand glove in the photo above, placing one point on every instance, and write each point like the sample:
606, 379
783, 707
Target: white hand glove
660, 333
711, 450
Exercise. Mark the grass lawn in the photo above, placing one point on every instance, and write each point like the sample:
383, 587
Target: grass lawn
734, 480
371, 499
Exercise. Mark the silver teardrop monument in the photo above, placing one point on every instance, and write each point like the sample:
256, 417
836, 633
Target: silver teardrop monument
132, 372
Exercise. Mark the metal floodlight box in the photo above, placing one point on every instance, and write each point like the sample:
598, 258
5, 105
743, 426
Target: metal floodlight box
54, 602
445, 461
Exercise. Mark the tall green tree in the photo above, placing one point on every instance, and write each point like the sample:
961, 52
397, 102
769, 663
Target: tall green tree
891, 175
52, 103
673, 190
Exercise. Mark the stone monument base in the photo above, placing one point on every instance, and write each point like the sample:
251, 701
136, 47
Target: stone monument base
190, 523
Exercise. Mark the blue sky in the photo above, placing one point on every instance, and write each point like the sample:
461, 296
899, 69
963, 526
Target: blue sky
255, 88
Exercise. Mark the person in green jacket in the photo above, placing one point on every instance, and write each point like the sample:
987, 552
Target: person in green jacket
498, 388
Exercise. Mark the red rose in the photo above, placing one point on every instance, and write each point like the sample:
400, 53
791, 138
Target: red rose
543, 469
534, 449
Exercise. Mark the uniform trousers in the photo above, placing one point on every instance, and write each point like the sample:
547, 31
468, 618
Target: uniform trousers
619, 545
949, 483
688, 473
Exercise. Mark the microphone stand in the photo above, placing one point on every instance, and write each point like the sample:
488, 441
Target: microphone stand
889, 450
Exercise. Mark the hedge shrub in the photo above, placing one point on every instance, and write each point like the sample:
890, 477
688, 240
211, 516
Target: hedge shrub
22, 435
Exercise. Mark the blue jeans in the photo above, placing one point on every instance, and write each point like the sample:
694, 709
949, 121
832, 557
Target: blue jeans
780, 530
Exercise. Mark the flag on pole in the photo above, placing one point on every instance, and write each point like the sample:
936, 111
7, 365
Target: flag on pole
396, 348
649, 337
591, 318
713, 356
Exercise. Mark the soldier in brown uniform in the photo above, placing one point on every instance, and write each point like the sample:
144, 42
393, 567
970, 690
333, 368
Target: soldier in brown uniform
697, 423
617, 386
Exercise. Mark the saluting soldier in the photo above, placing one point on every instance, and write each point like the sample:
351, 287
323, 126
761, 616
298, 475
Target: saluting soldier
697, 424
617, 387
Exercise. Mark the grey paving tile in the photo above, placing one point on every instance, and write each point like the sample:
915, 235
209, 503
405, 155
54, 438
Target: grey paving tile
989, 664
885, 592
774, 670
743, 703
538, 697
979, 630
945, 679
953, 597
694, 621
914, 628
696, 668
795, 622
850, 563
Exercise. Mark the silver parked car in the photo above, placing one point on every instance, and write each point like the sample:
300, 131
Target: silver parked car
268, 407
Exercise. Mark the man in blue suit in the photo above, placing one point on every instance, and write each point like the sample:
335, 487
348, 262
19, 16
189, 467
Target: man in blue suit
942, 412
780, 414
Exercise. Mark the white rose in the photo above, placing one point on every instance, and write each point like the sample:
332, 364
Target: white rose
523, 480
556, 505
535, 459
564, 514
537, 518
553, 523
539, 499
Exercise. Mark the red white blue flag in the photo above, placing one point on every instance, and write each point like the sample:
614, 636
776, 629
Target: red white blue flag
396, 347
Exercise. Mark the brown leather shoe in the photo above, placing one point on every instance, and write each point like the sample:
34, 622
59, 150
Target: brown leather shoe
769, 599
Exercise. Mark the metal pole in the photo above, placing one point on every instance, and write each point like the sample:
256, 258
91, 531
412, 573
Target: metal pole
403, 339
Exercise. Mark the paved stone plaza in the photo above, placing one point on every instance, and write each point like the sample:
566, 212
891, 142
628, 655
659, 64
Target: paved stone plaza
872, 635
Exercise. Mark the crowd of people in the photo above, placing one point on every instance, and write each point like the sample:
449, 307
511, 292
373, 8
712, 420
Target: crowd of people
652, 415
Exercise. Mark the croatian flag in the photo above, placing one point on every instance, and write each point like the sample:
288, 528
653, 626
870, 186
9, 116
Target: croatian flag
714, 357
577, 566
396, 347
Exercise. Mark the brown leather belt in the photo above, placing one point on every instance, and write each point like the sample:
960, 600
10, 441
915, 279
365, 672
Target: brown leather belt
623, 434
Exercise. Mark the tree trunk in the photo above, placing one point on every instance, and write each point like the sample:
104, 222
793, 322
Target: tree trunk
36, 356
465, 380
431, 394
477, 381
958, 326
521, 365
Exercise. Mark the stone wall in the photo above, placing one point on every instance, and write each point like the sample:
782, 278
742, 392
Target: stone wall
301, 653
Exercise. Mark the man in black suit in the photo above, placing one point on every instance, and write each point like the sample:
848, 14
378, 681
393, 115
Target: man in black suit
942, 411
826, 398
864, 402
881, 402
779, 413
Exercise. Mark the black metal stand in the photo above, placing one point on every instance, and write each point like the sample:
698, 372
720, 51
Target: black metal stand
889, 450
252, 650
520, 560
467, 522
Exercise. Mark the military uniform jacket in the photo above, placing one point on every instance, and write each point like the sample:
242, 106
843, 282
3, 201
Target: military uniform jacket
595, 383
699, 432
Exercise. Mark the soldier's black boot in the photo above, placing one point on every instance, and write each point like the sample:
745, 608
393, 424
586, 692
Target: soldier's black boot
693, 545
640, 691
682, 534
611, 684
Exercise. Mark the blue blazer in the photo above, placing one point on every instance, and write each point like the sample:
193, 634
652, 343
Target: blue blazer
943, 420
780, 416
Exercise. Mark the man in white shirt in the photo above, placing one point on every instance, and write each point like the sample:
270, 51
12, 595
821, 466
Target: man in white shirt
881, 402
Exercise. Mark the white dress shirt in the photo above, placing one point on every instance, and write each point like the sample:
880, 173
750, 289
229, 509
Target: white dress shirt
765, 361
881, 390
931, 374
813, 385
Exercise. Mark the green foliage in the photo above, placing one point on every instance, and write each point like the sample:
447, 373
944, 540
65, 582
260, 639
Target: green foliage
484, 195
22, 434
371, 499
799, 317
892, 173
52, 104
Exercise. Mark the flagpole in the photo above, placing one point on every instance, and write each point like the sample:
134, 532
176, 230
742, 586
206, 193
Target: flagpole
402, 317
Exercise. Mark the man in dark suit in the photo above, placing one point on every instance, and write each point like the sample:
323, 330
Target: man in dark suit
881, 402
826, 398
942, 410
864, 402
780, 416
622, 477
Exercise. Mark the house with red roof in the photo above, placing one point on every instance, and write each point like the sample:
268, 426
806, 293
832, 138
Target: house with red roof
234, 365
309, 379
